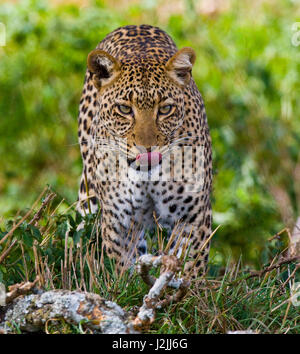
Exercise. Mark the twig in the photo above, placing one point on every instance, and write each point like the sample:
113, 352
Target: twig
38, 215
291, 276
275, 266
24, 218
267, 269
7, 251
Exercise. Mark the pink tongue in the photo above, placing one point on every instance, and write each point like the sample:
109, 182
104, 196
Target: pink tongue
149, 158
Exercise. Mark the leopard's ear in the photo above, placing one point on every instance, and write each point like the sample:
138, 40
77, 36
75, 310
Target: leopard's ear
104, 67
179, 67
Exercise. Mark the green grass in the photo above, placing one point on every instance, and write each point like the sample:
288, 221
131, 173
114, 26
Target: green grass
228, 298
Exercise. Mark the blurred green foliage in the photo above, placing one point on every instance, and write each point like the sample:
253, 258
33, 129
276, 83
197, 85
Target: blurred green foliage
247, 70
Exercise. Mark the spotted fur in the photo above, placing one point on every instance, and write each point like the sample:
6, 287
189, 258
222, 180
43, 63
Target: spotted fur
140, 67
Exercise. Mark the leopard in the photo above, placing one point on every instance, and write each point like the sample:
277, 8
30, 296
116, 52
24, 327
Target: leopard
146, 147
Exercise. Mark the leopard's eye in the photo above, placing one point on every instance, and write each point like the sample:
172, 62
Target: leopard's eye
164, 110
123, 109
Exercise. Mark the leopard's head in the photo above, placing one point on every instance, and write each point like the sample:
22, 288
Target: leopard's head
141, 99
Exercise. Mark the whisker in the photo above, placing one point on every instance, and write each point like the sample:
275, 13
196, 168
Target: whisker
117, 149
72, 144
111, 143
122, 147
174, 143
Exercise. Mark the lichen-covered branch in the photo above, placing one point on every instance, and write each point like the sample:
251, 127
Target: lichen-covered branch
31, 312
170, 265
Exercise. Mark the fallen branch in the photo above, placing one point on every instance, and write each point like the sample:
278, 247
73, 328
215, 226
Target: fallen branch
170, 265
31, 313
